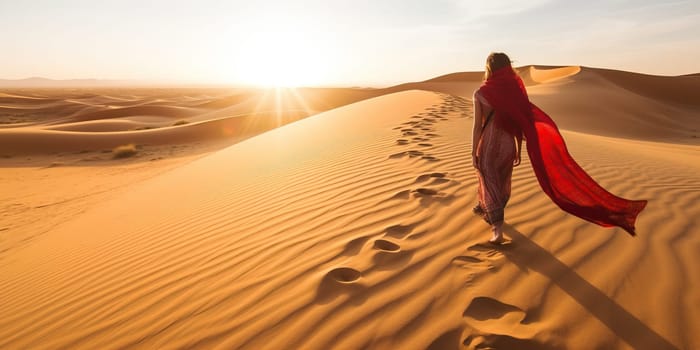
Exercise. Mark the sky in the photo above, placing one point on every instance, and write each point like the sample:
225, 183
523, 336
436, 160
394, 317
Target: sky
337, 42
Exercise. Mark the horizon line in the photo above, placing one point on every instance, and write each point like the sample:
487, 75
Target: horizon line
154, 83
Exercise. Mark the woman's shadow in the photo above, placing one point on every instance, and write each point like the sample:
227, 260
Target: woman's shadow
528, 255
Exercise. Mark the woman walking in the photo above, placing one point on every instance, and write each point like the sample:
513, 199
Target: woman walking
503, 116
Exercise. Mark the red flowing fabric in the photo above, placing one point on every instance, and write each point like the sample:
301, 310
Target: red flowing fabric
560, 177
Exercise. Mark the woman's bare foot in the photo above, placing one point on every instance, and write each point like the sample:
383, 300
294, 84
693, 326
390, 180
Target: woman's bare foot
497, 241
497, 234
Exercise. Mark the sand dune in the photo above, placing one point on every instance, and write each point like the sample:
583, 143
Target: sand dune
56, 121
101, 135
8, 98
592, 102
109, 125
172, 112
352, 229
682, 90
602, 102
533, 75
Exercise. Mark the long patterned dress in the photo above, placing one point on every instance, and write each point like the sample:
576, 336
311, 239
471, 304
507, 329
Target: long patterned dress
496, 152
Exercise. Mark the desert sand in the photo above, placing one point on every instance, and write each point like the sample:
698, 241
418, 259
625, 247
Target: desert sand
341, 219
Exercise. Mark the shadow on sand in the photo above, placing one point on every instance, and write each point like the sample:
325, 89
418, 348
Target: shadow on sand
528, 255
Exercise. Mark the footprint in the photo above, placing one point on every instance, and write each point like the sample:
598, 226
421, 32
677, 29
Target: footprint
431, 135
386, 246
341, 280
402, 141
410, 133
397, 155
426, 191
344, 275
431, 158
428, 196
425, 144
405, 194
500, 326
429, 176
399, 231
414, 153
486, 308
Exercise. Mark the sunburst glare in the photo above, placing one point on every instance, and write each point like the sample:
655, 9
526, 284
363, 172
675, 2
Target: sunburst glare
283, 54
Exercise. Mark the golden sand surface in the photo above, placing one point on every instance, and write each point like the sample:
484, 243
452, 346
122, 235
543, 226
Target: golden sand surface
341, 219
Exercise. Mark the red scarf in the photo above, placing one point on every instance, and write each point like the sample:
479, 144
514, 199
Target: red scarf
560, 177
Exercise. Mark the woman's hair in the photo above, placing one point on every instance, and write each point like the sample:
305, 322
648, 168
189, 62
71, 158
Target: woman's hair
495, 61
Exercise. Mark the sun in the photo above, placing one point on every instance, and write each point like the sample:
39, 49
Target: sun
281, 55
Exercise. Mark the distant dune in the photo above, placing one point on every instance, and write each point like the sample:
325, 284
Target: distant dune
38, 82
49, 121
341, 219
600, 101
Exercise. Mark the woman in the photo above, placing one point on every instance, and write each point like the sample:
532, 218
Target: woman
495, 154
503, 115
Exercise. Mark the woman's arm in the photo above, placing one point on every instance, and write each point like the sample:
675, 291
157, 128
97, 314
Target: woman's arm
476, 129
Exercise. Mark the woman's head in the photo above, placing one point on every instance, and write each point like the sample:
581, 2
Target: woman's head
495, 61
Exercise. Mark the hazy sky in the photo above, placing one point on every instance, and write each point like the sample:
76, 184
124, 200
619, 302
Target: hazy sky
337, 42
